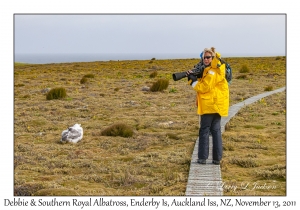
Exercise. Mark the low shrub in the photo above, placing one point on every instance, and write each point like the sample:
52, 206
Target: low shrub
153, 74
273, 172
118, 129
173, 136
269, 88
251, 155
159, 85
83, 80
254, 126
56, 93
278, 58
244, 69
244, 162
257, 146
228, 147
242, 76
89, 76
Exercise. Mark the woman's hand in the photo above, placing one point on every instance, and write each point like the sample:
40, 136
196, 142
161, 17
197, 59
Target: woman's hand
191, 78
189, 72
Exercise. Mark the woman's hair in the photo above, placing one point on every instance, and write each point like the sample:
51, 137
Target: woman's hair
209, 50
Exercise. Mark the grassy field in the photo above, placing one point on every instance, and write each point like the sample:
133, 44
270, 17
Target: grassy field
155, 159
254, 145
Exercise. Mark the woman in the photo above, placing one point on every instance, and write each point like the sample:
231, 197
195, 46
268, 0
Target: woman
213, 103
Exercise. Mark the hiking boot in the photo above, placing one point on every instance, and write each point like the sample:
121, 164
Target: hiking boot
201, 161
216, 162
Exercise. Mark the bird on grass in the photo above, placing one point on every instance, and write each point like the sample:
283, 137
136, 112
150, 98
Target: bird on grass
73, 134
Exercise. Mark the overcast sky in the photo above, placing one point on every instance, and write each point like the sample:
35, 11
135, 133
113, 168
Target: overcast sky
231, 35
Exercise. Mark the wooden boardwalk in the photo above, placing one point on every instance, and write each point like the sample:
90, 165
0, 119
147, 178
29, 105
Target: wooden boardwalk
206, 179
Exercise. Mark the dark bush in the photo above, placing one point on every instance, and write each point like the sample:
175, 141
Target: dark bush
83, 80
244, 69
242, 76
269, 88
173, 136
118, 129
159, 85
89, 76
153, 74
56, 93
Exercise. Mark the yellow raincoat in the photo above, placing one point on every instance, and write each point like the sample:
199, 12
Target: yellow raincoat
212, 89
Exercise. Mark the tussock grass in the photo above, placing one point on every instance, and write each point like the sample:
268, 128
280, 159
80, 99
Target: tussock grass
153, 74
156, 159
56, 93
242, 76
277, 172
244, 69
89, 76
159, 85
118, 129
83, 80
244, 162
269, 88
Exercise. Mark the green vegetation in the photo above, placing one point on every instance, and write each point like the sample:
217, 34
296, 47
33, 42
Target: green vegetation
153, 74
244, 69
89, 76
159, 85
244, 76
56, 93
83, 80
269, 88
118, 129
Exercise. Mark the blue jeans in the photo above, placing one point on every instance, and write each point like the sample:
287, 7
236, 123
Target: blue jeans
212, 123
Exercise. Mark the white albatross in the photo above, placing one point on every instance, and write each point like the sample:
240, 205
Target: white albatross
72, 134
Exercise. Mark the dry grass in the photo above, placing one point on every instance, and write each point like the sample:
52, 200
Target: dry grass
255, 149
155, 160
